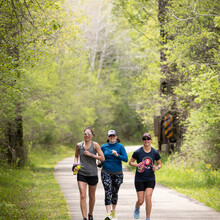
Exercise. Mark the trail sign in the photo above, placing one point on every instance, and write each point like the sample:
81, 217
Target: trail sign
168, 125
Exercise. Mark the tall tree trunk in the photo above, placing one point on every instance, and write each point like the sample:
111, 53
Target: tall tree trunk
17, 154
162, 18
167, 84
164, 67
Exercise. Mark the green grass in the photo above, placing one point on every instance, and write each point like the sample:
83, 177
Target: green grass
32, 192
202, 185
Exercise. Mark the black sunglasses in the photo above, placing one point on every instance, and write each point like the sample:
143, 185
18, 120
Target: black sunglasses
146, 138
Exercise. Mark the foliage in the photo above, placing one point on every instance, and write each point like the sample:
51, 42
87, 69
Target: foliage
139, 19
201, 184
77, 85
66, 67
202, 142
25, 24
32, 192
193, 49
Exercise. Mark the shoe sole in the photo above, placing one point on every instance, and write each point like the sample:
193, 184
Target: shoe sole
136, 217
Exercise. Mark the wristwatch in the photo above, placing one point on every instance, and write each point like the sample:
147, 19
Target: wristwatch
158, 167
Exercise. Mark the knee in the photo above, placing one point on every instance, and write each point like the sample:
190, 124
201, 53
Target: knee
82, 196
140, 202
148, 198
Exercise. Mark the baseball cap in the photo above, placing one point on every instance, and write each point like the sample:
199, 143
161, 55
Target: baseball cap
112, 132
146, 135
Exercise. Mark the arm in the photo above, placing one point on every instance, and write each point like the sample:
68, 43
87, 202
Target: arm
132, 162
123, 156
159, 165
76, 157
140, 166
100, 155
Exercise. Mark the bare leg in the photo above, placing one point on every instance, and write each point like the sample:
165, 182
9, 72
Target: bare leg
92, 190
82, 190
113, 207
140, 199
148, 201
108, 208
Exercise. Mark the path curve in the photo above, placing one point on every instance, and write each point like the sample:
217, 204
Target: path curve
167, 203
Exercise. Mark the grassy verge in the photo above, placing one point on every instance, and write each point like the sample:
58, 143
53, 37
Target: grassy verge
32, 192
202, 185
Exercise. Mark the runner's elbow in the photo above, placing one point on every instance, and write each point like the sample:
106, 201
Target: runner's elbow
102, 159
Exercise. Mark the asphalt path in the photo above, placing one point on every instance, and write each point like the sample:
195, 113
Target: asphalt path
167, 203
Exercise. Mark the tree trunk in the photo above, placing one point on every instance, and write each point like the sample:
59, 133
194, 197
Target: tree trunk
164, 68
17, 154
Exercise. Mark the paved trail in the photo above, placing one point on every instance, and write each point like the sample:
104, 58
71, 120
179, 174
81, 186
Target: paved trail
167, 204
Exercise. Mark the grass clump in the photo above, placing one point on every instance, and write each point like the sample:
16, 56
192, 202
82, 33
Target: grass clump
32, 192
201, 183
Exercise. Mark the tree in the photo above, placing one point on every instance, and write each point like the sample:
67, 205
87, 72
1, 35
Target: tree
140, 20
21, 29
194, 50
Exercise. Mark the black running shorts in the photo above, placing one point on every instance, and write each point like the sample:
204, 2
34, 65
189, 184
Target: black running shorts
141, 186
91, 180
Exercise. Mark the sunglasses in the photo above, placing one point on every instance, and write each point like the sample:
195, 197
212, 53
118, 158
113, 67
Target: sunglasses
146, 138
111, 136
87, 134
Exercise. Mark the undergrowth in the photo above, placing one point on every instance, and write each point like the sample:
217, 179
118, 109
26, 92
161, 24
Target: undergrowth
32, 192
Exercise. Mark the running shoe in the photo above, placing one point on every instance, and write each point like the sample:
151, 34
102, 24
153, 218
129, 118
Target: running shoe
108, 217
136, 212
90, 217
113, 215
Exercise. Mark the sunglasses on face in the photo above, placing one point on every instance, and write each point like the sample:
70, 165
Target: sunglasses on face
146, 138
87, 134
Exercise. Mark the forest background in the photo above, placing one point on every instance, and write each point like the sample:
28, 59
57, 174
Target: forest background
111, 65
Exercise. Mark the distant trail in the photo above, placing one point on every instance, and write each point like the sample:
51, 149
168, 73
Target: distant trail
167, 204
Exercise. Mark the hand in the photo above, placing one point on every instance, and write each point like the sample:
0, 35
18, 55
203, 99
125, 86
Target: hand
115, 153
141, 167
154, 168
75, 169
87, 153
100, 164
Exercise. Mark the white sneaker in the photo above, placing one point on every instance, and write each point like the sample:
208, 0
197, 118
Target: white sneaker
113, 215
108, 217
